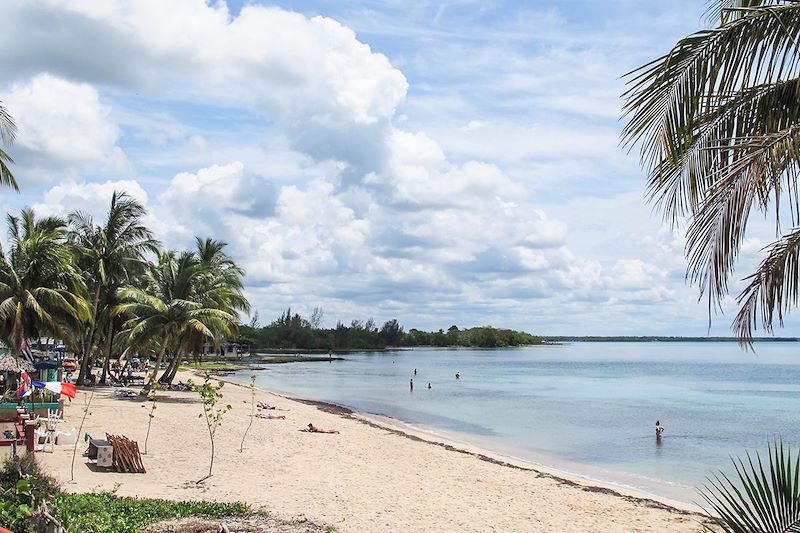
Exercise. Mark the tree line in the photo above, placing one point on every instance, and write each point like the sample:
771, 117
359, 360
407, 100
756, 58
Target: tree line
292, 331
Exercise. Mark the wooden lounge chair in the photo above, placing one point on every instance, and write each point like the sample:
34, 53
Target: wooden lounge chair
126, 454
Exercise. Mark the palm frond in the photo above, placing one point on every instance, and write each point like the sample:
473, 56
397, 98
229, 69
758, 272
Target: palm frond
763, 499
667, 96
773, 289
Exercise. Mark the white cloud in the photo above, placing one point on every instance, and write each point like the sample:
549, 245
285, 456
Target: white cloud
64, 128
91, 198
331, 93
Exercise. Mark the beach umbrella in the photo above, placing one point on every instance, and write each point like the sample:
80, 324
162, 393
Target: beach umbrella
9, 364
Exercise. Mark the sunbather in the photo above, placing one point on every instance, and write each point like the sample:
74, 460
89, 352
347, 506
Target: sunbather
313, 429
262, 405
271, 417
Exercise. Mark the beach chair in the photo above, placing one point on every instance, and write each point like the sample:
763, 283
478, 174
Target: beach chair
53, 420
126, 454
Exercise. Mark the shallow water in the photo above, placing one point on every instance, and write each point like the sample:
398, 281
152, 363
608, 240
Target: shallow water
589, 408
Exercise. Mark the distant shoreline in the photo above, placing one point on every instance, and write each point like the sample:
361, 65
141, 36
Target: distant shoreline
590, 338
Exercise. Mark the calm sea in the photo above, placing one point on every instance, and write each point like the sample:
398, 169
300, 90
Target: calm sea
587, 408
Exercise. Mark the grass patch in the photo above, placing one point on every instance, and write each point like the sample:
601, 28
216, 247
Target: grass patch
23, 487
106, 513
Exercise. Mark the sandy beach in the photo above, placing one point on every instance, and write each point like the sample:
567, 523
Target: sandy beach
369, 477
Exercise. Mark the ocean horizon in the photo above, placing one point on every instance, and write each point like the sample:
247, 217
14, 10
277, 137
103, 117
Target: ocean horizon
588, 409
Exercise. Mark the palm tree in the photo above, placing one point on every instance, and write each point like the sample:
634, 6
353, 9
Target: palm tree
169, 308
8, 131
113, 254
40, 288
718, 123
219, 287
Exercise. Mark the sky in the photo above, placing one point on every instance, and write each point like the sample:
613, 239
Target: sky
452, 162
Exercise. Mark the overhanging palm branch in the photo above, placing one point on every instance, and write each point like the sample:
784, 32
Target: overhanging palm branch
718, 124
765, 498
8, 130
773, 288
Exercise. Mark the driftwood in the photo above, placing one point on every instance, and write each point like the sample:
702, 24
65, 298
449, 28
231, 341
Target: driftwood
126, 454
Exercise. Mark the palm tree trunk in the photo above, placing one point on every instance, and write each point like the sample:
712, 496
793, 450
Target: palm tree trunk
151, 381
16, 333
110, 345
85, 364
169, 374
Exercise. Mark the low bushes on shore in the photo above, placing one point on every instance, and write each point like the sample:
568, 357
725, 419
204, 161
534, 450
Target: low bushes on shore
24, 487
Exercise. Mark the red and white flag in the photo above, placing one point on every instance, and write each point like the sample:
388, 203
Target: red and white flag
64, 389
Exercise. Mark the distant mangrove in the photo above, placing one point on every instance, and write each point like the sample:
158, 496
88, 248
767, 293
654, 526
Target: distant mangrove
292, 331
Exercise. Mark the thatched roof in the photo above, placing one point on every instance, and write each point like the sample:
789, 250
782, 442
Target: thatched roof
9, 364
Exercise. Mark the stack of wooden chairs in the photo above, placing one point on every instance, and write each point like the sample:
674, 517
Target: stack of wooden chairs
126, 454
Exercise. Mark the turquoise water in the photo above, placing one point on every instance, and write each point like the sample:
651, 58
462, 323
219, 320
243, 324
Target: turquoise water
589, 408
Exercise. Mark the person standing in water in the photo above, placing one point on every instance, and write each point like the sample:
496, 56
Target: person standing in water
659, 429
429, 385
411, 383
458, 375
415, 371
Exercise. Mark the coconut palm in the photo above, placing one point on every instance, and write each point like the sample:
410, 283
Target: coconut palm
718, 123
219, 287
112, 255
169, 308
8, 130
40, 288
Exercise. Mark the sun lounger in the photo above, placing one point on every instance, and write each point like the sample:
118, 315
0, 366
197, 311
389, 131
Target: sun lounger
126, 454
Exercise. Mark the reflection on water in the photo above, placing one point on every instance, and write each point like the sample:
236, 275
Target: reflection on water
590, 404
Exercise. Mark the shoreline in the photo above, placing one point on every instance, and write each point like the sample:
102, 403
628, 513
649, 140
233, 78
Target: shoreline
374, 475
449, 443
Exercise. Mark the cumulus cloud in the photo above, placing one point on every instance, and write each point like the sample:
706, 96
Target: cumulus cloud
90, 198
333, 95
64, 129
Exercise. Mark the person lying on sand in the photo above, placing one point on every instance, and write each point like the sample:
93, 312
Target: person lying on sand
263, 405
314, 429
271, 417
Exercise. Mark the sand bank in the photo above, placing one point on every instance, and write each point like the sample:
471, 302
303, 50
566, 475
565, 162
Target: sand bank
372, 476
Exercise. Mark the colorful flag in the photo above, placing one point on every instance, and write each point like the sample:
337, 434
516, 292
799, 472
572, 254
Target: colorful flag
64, 389
56, 387
26, 387
25, 351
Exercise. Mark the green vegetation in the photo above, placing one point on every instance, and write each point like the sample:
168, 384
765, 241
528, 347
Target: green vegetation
109, 289
210, 396
292, 331
106, 513
717, 120
23, 488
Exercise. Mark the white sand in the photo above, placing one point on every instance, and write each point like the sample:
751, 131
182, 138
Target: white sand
366, 478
